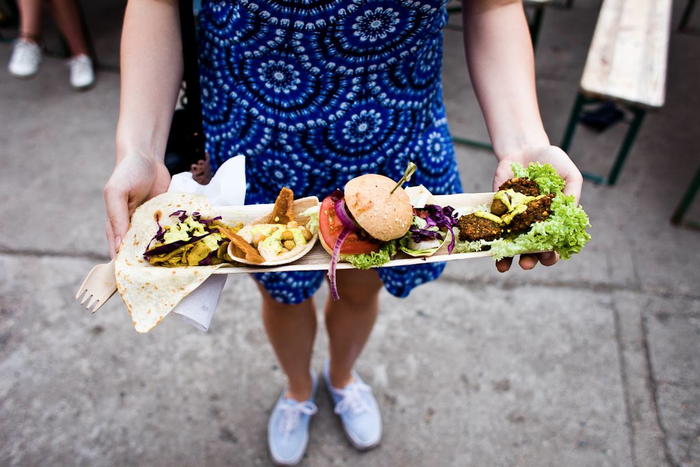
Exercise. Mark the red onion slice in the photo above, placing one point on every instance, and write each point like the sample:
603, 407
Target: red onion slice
335, 257
344, 216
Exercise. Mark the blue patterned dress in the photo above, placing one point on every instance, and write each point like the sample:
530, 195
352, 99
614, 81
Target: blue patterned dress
314, 93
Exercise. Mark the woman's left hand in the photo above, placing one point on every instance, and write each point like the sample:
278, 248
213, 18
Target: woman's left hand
568, 171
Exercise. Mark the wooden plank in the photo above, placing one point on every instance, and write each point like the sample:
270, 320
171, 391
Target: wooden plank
628, 56
319, 260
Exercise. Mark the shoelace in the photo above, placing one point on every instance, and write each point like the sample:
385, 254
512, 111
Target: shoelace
24, 52
291, 416
353, 399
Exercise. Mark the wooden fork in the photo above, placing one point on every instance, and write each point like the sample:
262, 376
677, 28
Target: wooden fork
98, 286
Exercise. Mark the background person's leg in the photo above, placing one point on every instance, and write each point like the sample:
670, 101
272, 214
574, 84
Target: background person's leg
350, 320
65, 12
291, 330
26, 52
30, 19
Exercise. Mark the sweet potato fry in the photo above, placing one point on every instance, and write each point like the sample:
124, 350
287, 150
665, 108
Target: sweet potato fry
283, 212
242, 248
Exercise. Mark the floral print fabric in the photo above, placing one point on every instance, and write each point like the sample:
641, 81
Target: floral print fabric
315, 93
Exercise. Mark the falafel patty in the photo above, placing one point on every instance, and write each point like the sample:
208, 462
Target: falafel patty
498, 207
473, 228
537, 211
521, 185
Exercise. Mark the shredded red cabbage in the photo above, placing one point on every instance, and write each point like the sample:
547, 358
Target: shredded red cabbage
445, 218
181, 215
335, 257
418, 235
169, 247
160, 235
207, 261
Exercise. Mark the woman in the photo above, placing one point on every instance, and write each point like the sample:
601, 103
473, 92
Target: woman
315, 93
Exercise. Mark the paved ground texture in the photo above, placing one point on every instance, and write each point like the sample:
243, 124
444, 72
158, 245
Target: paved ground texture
594, 362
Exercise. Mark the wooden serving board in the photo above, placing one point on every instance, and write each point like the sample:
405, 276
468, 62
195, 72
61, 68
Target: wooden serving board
319, 260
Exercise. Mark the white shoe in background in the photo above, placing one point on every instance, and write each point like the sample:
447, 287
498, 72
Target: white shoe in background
82, 74
25, 59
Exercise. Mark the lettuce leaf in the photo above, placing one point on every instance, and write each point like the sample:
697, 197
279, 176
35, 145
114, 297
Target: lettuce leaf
373, 260
312, 214
545, 176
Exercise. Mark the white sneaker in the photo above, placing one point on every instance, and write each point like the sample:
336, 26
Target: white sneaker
82, 74
25, 59
358, 411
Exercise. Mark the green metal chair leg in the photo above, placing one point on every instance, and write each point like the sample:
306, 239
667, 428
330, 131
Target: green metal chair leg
687, 199
573, 121
626, 145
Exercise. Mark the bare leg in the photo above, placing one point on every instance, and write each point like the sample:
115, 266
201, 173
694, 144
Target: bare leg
291, 330
66, 14
30, 18
350, 320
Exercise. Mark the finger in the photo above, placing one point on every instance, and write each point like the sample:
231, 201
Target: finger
117, 212
504, 264
549, 258
110, 239
527, 262
574, 184
503, 173
572, 176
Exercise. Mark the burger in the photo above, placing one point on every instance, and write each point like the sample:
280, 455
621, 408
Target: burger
362, 223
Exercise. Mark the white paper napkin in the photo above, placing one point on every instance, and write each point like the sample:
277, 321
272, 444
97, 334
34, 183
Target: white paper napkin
227, 188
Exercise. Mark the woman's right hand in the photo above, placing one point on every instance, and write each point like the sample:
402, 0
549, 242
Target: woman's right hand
136, 179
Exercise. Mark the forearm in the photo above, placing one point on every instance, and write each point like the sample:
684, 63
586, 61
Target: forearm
151, 73
501, 66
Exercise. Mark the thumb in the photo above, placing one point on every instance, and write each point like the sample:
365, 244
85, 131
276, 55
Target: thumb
116, 201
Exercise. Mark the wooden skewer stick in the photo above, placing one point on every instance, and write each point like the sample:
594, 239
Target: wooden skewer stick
410, 170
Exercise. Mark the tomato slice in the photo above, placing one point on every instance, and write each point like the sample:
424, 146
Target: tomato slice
330, 227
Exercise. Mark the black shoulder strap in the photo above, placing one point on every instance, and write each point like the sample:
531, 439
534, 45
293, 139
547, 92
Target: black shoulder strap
192, 90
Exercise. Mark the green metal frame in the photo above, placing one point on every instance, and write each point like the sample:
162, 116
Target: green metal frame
627, 142
678, 217
535, 26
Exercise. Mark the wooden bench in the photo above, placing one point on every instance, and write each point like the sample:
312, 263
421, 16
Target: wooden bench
626, 64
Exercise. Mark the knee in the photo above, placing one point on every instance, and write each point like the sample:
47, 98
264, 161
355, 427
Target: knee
358, 288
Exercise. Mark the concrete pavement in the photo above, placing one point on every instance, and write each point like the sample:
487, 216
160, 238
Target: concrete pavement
593, 362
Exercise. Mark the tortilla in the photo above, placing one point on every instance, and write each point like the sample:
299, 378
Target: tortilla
151, 292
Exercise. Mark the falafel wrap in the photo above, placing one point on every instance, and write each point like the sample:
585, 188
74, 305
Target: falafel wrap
529, 213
